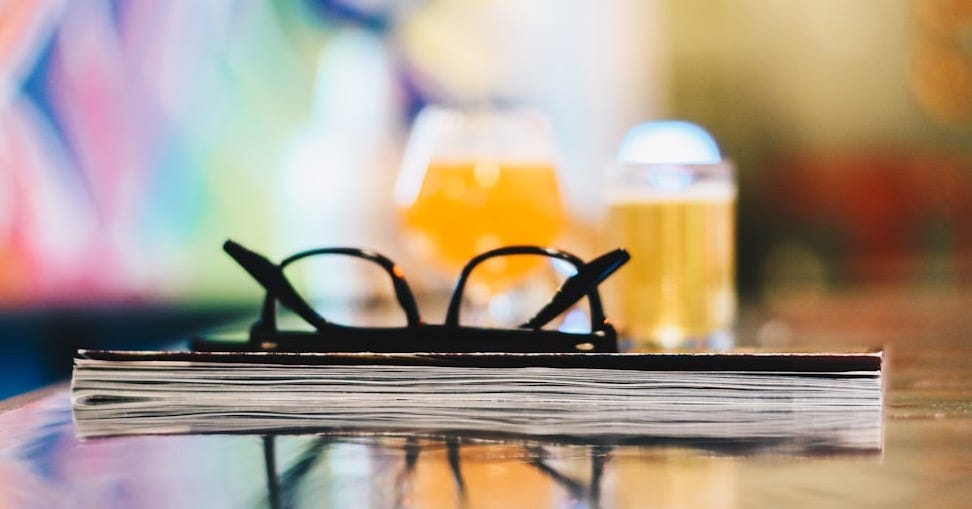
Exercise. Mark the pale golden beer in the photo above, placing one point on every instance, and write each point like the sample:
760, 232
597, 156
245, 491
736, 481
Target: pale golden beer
679, 286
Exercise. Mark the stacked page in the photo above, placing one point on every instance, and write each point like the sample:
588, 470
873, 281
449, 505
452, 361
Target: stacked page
828, 398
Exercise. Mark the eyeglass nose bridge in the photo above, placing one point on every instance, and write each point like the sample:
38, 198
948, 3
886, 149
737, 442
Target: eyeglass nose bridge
598, 320
403, 293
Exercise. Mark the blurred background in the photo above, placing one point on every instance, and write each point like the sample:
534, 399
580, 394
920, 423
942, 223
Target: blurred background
136, 136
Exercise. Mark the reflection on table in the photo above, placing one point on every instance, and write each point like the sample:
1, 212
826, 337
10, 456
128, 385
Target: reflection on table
925, 458
378, 469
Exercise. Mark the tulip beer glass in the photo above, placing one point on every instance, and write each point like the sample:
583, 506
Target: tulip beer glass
473, 180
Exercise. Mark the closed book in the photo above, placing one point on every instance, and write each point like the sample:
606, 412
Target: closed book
830, 398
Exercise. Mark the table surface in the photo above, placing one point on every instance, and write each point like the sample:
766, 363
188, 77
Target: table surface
925, 461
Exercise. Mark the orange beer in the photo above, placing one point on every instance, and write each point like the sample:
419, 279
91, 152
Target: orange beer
465, 207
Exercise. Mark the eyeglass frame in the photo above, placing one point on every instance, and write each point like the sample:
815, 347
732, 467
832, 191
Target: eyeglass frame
417, 335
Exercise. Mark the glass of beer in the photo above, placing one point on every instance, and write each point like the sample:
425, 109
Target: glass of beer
477, 179
671, 203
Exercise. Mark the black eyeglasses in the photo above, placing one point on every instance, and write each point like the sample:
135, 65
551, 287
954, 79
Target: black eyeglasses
416, 335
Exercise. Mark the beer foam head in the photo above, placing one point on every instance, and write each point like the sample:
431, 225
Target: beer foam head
668, 142
697, 192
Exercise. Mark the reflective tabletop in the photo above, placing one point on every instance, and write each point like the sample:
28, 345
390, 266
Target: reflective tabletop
924, 458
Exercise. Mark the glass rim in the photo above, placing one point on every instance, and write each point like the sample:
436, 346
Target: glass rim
725, 166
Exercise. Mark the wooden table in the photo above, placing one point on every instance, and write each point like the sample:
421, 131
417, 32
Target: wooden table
926, 459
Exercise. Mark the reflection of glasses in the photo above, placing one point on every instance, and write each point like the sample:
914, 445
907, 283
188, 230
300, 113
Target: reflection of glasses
416, 335
283, 487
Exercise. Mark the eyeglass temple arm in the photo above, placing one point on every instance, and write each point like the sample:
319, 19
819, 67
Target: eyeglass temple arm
575, 287
271, 278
